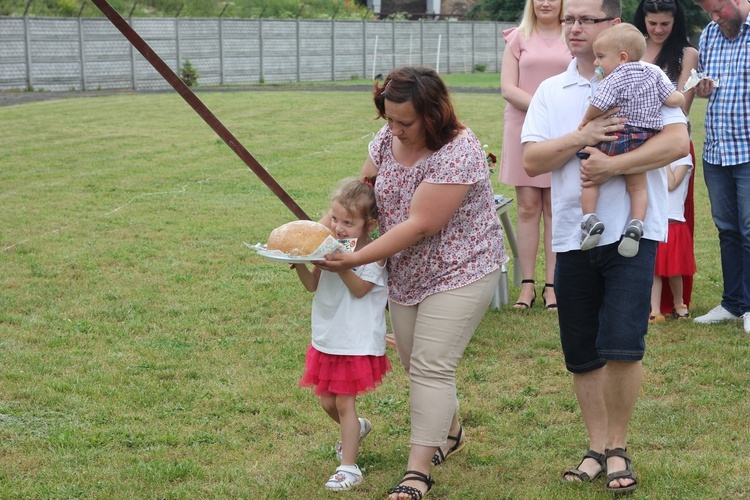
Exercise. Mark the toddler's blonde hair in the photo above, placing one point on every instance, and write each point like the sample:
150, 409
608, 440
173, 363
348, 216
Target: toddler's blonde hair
624, 37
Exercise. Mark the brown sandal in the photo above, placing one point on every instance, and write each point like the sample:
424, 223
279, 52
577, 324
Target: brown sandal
583, 477
628, 473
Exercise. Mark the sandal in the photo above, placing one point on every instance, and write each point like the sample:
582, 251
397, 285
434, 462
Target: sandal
524, 305
656, 317
346, 478
438, 458
551, 306
628, 473
414, 493
581, 476
364, 430
684, 315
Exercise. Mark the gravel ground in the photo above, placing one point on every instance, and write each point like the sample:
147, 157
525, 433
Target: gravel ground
17, 97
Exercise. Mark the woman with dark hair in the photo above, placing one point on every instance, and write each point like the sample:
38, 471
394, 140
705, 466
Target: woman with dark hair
443, 241
665, 27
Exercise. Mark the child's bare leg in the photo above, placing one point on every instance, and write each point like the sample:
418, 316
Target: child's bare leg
591, 227
675, 285
350, 428
589, 197
656, 295
329, 405
636, 186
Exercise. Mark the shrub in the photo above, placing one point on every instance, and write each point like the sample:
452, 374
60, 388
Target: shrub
188, 74
480, 68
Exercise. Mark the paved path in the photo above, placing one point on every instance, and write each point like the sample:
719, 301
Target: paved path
17, 97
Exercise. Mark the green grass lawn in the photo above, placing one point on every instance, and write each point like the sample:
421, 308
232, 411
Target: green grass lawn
147, 353
475, 80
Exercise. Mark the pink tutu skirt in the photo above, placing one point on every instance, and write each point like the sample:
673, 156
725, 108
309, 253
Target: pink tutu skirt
338, 374
676, 257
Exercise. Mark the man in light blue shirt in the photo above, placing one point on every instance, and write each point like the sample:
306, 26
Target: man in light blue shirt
724, 56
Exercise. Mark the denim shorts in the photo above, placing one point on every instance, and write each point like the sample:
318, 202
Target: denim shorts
603, 303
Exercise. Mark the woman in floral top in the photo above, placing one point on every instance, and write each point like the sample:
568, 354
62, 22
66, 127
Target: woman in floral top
443, 241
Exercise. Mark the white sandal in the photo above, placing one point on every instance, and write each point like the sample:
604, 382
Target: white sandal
346, 477
364, 430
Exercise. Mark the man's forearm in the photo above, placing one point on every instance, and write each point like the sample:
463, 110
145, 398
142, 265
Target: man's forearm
546, 156
671, 144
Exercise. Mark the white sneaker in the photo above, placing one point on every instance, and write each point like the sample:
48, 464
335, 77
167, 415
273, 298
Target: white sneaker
746, 321
716, 315
364, 430
346, 477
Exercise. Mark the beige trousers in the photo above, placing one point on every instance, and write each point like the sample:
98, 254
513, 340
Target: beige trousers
431, 338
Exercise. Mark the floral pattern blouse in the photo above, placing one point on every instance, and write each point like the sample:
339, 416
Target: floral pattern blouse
468, 247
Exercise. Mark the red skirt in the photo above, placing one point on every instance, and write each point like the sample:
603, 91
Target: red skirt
676, 257
339, 374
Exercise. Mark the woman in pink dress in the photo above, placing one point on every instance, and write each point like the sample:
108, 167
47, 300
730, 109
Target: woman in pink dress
533, 52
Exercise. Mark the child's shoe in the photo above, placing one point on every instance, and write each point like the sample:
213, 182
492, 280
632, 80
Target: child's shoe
591, 230
346, 477
364, 430
633, 234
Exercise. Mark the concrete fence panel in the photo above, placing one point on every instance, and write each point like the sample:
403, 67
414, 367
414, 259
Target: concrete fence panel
89, 53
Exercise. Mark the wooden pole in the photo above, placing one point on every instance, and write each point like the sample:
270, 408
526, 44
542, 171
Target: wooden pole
197, 105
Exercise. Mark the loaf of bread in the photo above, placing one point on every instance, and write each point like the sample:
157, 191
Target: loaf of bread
300, 237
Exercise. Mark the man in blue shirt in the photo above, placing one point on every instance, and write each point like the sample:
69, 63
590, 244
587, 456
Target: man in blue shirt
724, 57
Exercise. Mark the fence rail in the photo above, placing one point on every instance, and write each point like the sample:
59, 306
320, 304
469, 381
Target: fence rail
90, 53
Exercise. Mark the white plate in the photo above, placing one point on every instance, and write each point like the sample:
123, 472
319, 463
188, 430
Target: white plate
272, 255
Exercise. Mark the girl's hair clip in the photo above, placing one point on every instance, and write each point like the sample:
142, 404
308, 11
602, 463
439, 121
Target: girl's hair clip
368, 183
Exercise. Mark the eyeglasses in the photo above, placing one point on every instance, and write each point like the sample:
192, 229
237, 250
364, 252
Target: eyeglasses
569, 22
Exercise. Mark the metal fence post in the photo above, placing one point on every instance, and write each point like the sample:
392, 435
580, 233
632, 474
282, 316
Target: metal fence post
81, 54
473, 60
27, 46
497, 50
333, 50
393, 43
221, 51
421, 41
177, 44
364, 48
132, 59
448, 46
299, 52
221, 44
261, 78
